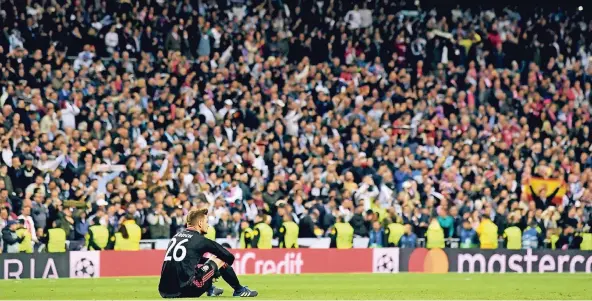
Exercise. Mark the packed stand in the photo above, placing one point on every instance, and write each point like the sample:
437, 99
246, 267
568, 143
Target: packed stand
402, 122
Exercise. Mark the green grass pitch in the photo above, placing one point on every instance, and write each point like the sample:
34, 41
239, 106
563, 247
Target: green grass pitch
326, 287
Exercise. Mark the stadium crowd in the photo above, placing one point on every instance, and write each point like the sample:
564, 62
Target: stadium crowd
375, 113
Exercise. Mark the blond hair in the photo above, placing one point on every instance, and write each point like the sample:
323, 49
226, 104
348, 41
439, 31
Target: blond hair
196, 214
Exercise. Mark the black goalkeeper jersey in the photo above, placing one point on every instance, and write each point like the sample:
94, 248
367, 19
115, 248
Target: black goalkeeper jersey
184, 252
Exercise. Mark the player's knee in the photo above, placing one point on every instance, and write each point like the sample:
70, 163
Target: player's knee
219, 263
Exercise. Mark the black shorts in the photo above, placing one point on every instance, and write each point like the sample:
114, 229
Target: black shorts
194, 292
201, 282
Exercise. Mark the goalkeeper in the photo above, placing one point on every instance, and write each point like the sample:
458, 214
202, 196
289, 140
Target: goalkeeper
186, 273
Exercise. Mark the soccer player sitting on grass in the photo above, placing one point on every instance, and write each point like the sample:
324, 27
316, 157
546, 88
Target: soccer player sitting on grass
186, 273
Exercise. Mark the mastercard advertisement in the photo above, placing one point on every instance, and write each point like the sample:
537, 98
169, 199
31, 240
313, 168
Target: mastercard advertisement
428, 261
441, 261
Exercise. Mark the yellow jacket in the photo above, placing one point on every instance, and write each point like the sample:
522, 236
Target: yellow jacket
435, 235
487, 232
132, 243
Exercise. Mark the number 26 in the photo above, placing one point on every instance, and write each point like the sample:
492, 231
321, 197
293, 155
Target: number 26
176, 248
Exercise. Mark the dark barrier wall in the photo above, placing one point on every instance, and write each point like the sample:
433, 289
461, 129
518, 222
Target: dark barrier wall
22, 266
494, 261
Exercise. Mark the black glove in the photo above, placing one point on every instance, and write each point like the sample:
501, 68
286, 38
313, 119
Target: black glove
207, 267
215, 267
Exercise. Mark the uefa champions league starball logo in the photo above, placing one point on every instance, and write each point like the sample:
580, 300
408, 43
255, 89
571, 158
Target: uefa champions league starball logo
385, 263
84, 268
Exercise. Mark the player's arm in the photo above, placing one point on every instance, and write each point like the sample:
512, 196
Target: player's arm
255, 241
219, 251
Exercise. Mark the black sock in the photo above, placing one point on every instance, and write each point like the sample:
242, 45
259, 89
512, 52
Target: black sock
230, 277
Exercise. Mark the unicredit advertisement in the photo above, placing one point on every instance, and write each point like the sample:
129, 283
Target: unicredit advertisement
273, 261
494, 261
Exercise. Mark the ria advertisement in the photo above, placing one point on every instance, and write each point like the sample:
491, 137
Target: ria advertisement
494, 261
23, 266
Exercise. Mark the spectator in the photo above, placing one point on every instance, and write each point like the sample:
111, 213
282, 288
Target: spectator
15, 40
159, 223
250, 209
566, 239
236, 224
4, 217
36, 187
421, 222
377, 237
177, 221
40, 210
487, 232
10, 239
409, 239
271, 196
173, 40
501, 220
468, 236
435, 235
28, 222
67, 223
531, 236
69, 112
5, 178
204, 47
354, 18
541, 198
358, 222
367, 192
308, 225
446, 222
224, 226
112, 40
81, 229
27, 174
